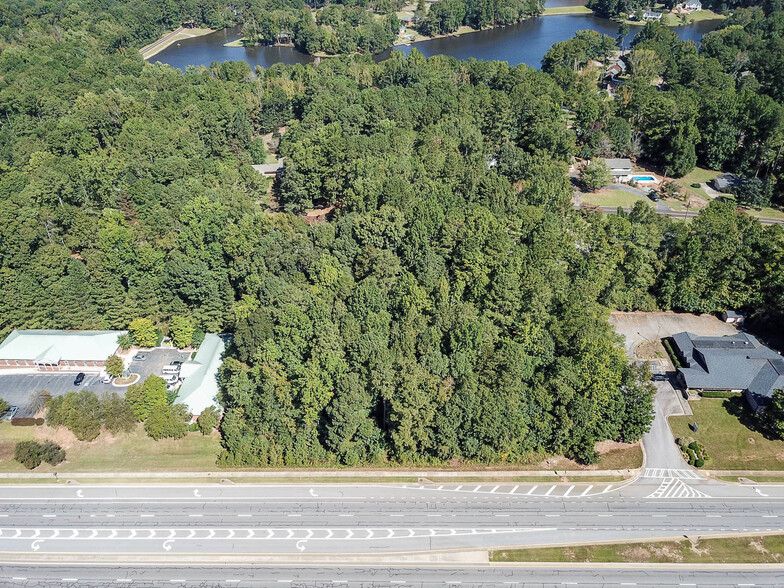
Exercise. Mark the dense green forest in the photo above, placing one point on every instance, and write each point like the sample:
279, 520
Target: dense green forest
456, 306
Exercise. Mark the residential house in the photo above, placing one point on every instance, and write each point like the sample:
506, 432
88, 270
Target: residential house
270, 170
621, 169
651, 15
727, 182
616, 68
199, 389
57, 351
739, 363
692, 5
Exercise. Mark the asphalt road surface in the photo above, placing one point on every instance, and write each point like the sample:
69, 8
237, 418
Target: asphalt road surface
215, 520
398, 577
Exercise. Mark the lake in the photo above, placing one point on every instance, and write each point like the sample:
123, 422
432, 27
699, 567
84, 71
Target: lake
526, 42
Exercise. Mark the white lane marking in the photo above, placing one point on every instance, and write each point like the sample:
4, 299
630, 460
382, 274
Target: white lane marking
532, 490
550, 490
587, 490
513, 490
494, 489
568, 491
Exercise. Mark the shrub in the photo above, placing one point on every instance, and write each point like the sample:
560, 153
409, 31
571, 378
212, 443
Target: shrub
28, 453
52, 453
684, 442
80, 412
167, 421
116, 414
114, 366
3, 406
143, 332
27, 422
31, 453
694, 446
208, 420
699, 463
696, 185
125, 341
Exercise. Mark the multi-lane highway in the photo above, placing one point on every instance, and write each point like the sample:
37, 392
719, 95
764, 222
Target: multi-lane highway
81, 529
213, 520
395, 576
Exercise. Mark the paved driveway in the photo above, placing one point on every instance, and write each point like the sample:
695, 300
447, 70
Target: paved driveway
19, 389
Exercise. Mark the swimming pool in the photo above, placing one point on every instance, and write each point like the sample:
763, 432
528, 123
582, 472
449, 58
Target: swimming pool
643, 178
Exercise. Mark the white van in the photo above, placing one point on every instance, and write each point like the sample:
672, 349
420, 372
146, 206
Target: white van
171, 379
170, 369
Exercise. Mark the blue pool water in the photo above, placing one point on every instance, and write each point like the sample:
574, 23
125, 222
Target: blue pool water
644, 178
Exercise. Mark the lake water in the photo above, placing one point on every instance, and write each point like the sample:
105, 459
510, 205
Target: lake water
526, 42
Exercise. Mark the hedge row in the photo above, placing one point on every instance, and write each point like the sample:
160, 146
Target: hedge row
26, 422
719, 394
671, 352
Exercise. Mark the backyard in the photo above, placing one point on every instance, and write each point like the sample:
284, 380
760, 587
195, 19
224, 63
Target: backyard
730, 433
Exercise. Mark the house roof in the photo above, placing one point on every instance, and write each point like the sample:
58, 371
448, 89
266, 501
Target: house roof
269, 168
50, 346
200, 388
619, 163
727, 181
738, 362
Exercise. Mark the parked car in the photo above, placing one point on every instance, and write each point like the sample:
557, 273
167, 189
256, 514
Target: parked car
170, 369
79, 378
659, 378
139, 357
653, 195
107, 379
176, 362
171, 379
10, 413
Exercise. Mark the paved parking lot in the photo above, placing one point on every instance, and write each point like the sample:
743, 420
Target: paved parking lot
19, 389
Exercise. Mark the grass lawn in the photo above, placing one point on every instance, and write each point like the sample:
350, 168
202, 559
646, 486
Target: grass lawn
763, 549
728, 429
567, 10
125, 453
766, 212
699, 175
612, 198
136, 452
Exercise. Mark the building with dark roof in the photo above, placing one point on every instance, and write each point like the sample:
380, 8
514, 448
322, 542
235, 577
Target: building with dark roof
738, 363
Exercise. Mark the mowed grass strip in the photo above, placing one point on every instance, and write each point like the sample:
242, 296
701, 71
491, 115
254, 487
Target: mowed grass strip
731, 434
758, 549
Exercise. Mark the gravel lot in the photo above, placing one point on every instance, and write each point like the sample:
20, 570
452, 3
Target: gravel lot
639, 327
19, 389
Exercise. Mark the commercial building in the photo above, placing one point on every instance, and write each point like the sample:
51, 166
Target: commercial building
57, 351
200, 388
739, 363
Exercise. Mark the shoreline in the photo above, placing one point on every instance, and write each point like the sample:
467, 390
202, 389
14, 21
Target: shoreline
169, 39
